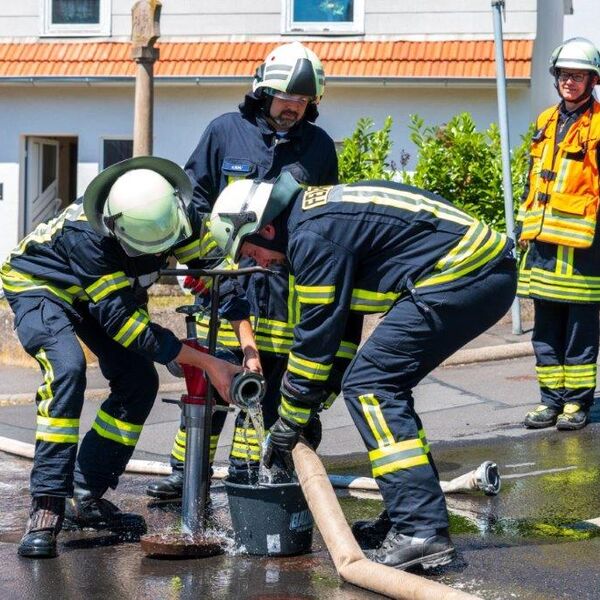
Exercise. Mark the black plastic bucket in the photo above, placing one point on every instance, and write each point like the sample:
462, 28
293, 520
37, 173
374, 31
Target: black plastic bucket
270, 520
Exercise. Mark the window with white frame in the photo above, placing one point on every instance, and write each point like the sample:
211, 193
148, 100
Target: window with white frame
76, 17
324, 17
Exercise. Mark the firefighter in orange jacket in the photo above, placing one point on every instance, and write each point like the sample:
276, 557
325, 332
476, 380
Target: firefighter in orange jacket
560, 268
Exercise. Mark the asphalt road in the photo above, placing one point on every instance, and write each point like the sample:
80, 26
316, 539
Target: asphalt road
530, 542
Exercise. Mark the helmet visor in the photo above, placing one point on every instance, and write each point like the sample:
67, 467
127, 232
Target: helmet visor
153, 236
296, 98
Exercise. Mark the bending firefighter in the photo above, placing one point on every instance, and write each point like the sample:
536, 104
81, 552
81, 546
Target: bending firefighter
83, 275
439, 276
272, 132
560, 268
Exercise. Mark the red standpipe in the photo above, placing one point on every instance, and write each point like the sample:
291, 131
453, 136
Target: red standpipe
196, 381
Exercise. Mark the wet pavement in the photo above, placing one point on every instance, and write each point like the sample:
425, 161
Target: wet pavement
531, 542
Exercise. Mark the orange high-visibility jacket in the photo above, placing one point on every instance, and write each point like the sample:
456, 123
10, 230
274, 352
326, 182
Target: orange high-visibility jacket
564, 191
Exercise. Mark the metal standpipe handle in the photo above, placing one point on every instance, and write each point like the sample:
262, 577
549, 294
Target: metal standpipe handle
247, 389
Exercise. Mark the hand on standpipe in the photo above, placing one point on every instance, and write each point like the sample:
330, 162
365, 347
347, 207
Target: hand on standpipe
196, 285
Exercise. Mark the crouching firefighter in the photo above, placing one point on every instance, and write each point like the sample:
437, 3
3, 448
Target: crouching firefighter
84, 274
440, 277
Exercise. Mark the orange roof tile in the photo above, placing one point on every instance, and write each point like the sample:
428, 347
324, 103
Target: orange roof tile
397, 59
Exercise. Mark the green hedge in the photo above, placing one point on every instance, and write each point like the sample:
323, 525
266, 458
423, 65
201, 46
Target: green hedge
454, 160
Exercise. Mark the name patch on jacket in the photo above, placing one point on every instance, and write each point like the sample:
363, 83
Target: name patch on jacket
315, 196
234, 169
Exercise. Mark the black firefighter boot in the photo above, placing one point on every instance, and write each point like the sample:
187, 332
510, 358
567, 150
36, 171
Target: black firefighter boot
45, 521
167, 488
89, 510
427, 549
370, 534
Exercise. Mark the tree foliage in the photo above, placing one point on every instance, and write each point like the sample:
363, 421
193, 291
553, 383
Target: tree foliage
465, 165
365, 154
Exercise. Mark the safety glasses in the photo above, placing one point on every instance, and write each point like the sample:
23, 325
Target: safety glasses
564, 76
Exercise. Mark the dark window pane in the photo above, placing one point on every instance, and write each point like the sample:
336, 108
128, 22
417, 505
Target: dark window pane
73, 12
324, 10
116, 150
48, 165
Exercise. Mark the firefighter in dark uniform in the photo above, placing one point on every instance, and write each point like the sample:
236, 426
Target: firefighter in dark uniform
83, 274
440, 277
273, 131
560, 268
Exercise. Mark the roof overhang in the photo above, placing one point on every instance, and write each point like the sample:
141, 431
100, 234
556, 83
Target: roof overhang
400, 62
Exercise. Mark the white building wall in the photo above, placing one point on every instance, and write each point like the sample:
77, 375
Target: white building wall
245, 19
182, 113
585, 21
550, 20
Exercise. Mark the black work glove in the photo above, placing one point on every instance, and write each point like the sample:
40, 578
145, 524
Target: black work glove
313, 432
283, 436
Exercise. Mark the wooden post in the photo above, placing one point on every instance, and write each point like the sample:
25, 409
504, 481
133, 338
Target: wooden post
145, 30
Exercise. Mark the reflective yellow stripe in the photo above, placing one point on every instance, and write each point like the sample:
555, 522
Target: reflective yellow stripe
106, 285
248, 435
564, 261
375, 420
244, 452
315, 294
542, 224
295, 414
116, 430
580, 376
550, 376
399, 455
405, 200
346, 350
44, 393
207, 244
327, 404
44, 232
245, 444
188, 252
267, 343
423, 438
371, 302
214, 441
132, 328
307, 368
16, 282
558, 286
58, 430
178, 450
293, 303
477, 247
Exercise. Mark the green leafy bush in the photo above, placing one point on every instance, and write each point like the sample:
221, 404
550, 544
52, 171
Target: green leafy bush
465, 165
365, 154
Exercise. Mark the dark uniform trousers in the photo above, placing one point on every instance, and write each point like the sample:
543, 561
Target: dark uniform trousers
48, 332
565, 342
418, 333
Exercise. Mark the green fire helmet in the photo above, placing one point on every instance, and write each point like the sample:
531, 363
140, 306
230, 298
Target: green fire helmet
292, 69
142, 203
575, 53
245, 206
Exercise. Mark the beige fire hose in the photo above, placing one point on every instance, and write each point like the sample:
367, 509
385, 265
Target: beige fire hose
350, 562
